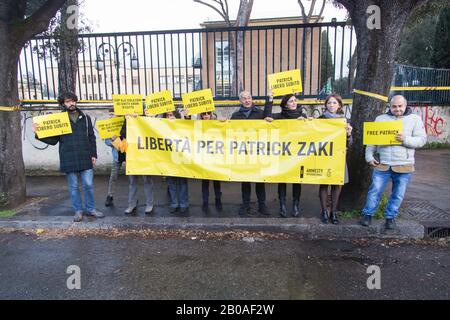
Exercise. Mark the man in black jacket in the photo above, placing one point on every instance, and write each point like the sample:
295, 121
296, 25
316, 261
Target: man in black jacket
248, 111
77, 155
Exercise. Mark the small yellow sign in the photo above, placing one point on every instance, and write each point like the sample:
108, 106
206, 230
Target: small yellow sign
127, 104
286, 82
382, 133
109, 127
198, 101
159, 102
54, 124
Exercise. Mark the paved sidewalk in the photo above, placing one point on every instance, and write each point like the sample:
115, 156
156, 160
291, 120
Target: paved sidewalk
427, 203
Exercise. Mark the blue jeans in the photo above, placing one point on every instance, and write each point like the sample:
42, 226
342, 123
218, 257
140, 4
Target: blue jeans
87, 177
178, 192
379, 180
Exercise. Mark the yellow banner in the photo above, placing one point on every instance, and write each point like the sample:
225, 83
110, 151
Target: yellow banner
382, 133
287, 82
159, 102
127, 104
198, 101
292, 151
109, 127
54, 124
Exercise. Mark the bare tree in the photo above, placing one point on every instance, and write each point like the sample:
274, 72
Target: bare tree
15, 30
64, 44
236, 41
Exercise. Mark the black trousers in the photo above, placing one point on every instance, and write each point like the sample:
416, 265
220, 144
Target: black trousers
247, 189
205, 190
296, 191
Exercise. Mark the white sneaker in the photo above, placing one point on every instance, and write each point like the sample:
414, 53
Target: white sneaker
78, 216
96, 214
148, 209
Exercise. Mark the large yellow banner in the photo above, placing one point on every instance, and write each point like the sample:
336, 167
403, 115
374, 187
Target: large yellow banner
54, 124
109, 127
292, 151
382, 133
286, 82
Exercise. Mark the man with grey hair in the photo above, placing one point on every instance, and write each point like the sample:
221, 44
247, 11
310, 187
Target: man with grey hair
248, 111
395, 162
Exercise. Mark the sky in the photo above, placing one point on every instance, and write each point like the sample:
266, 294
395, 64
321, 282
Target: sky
152, 15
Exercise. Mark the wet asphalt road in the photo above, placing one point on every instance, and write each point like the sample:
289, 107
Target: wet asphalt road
175, 268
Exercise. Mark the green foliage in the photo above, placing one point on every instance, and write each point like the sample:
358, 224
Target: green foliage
356, 214
441, 52
326, 59
417, 42
3, 199
7, 213
436, 145
425, 40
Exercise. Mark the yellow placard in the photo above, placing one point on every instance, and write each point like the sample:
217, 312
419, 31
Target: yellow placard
109, 127
198, 101
54, 124
382, 133
291, 151
286, 82
159, 102
127, 104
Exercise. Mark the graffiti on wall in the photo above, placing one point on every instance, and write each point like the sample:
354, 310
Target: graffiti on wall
433, 120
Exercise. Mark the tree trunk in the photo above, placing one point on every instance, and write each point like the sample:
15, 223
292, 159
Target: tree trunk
15, 31
242, 19
68, 52
12, 169
376, 51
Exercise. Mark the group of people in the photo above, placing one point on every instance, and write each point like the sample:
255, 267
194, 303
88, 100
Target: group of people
390, 162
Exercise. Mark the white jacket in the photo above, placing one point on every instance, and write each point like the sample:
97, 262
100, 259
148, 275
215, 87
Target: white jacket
415, 137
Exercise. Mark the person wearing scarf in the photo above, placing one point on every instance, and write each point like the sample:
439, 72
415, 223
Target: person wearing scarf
333, 109
289, 110
248, 111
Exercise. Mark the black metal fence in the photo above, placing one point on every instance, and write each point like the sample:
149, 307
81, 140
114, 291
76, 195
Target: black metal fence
187, 60
413, 77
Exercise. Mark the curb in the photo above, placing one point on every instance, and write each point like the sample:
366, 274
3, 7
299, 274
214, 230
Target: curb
310, 228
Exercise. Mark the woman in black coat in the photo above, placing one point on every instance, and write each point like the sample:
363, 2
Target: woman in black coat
289, 110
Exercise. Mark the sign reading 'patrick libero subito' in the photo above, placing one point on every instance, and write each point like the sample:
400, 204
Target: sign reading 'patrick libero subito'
198, 101
54, 124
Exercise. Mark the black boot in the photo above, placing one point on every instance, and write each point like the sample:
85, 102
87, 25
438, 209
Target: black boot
219, 206
205, 207
333, 217
109, 201
296, 208
283, 209
324, 216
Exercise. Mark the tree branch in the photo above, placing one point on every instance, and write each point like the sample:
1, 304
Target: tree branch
322, 9
223, 15
302, 7
38, 21
311, 10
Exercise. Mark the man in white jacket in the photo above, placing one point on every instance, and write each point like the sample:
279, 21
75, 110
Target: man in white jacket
395, 162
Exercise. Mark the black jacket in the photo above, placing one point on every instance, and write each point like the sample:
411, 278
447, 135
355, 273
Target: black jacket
77, 149
284, 114
255, 113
